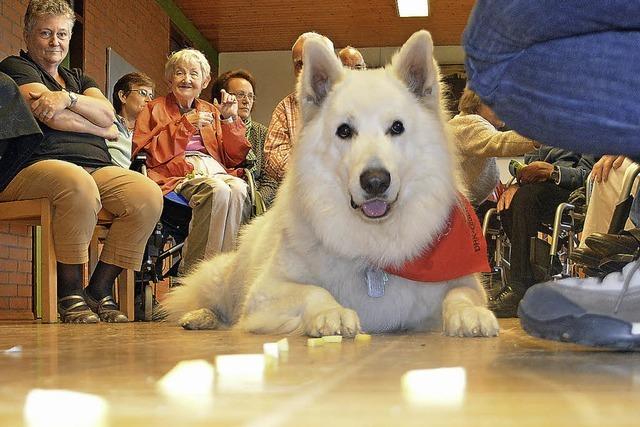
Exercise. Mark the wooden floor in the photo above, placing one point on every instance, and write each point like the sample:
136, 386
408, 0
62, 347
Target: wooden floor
513, 380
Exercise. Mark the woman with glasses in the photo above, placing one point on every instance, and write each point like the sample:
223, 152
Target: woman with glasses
196, 149
130, 95
72, 168
242, 84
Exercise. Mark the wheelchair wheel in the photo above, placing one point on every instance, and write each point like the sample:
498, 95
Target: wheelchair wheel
148, 302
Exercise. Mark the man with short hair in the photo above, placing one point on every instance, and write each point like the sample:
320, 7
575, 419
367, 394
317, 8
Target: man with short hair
285, 117
352, 58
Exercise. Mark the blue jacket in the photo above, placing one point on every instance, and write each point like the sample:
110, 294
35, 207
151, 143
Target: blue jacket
574, 168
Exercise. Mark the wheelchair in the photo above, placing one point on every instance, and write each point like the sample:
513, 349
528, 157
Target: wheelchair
549, 251
618, 221
164, 248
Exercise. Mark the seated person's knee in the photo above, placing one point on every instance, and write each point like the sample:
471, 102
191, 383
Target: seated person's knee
80, 191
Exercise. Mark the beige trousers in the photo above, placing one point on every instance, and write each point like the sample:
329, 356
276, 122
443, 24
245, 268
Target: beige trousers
217, 204
604, 197
76, 197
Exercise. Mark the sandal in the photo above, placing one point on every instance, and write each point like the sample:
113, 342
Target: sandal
107, 309
76, 311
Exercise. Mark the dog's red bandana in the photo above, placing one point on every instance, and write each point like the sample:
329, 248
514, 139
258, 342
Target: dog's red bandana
460, 250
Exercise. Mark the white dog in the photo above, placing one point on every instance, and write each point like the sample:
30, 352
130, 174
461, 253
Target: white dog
370, 186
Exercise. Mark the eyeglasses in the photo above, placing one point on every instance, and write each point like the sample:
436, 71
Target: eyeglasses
241, 95
142, 92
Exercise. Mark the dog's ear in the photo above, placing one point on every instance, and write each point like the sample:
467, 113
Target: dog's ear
321, 70
414, 65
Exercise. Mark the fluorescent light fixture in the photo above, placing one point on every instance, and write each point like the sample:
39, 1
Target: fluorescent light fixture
409, 8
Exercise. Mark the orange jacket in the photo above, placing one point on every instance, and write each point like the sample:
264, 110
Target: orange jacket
162, 132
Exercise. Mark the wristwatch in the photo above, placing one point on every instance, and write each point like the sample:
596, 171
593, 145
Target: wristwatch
555, 175
73, 97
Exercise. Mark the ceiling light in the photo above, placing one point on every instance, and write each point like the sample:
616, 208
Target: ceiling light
408, 8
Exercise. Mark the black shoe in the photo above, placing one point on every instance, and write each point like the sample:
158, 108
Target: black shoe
586, 256
505, 303
611, 244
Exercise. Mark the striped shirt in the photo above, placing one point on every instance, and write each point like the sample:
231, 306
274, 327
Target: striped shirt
280, 136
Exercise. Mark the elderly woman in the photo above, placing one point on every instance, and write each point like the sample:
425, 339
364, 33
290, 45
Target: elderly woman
242, 85
130, 95
72, 168
196, 149
479, 142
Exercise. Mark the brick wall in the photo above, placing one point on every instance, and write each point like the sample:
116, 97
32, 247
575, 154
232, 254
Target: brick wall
16, 277
139, 31
11, 13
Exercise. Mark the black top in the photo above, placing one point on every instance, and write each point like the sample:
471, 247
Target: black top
81, 149
19, 132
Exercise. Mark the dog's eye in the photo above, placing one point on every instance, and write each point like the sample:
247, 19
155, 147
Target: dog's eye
344, 131
396, 128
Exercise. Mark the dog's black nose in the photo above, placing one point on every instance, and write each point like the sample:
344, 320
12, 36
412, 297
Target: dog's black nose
375, 181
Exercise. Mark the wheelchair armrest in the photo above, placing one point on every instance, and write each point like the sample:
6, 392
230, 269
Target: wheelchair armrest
248, 164
139, 163
486, 221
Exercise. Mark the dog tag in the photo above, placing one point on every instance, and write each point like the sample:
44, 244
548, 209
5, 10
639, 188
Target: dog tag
376, 281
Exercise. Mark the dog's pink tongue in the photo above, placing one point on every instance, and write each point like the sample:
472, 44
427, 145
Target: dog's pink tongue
374, 208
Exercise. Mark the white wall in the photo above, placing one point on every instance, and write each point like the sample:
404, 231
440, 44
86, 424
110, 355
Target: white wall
274, 72
503, 167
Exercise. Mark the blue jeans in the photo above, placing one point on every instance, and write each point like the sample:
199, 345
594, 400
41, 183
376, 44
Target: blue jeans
563, 72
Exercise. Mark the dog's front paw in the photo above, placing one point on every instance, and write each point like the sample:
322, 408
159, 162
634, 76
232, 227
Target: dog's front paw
336, 321
199, 319
471, 321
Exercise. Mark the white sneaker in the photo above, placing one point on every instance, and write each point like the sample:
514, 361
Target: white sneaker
603, 313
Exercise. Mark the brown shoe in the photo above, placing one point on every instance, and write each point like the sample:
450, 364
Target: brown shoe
74, 309
107, 309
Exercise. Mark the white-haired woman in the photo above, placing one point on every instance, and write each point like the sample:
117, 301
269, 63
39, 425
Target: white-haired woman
196, 149
72, 168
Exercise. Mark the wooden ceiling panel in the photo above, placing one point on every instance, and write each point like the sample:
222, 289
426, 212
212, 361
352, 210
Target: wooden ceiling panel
255, 25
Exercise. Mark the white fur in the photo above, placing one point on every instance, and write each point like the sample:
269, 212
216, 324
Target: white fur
300, 267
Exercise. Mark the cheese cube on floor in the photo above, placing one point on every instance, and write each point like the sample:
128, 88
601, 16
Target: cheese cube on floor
363, 338
271, 349
283, 344
240, 365
53, 408
189, 377
315, 342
